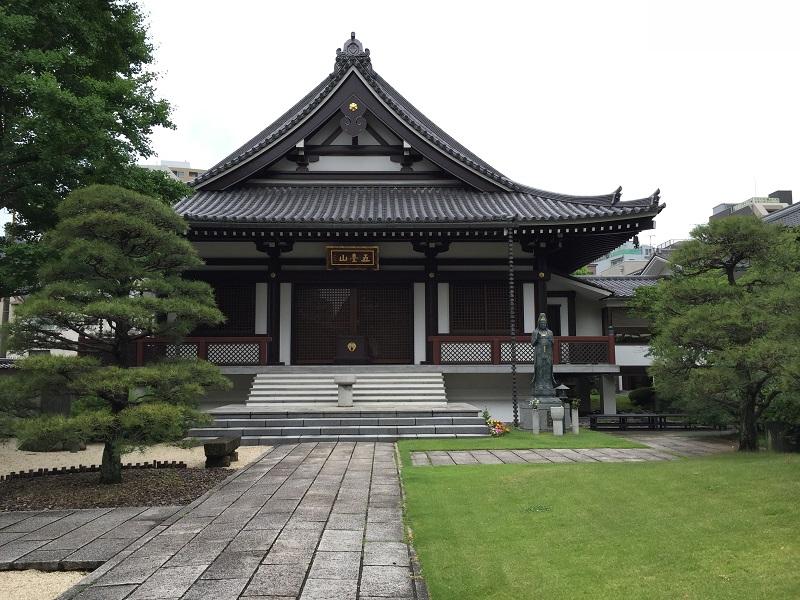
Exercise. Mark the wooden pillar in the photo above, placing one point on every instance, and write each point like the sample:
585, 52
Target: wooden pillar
431, 250
431, 307
274, 251
273, 316
542, 275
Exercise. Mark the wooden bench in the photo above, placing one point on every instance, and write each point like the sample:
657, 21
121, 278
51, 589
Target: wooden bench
221, 451
639, 421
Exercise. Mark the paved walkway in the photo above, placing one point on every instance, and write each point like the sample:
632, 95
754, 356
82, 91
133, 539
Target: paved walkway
662, 446
72, 540
310, 521
684, 444
556, 455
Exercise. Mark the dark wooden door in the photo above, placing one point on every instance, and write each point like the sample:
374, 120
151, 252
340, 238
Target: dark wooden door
382, 315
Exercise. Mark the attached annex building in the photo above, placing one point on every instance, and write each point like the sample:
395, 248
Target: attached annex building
353, 235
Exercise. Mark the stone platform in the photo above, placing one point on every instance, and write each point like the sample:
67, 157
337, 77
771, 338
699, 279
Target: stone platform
291, 423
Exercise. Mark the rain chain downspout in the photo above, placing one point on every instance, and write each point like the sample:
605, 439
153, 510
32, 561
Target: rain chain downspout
512, 307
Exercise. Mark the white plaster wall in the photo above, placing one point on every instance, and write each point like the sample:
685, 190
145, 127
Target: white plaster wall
488, 390
633, 355
529, 307
261, 308
419, 323
285, 350
354, 163
443, 308
588, 317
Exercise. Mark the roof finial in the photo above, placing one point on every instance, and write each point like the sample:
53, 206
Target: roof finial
352, 46
353, 53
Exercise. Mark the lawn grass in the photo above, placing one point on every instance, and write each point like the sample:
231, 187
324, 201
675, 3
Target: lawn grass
721, 527
518, 439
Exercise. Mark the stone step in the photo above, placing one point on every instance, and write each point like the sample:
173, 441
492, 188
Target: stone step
359, 386
277, 388
275, 412
338, 430
346, 421
255, 400
276, 440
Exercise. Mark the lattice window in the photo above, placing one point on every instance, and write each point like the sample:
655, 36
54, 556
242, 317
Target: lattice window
381, 314
524, 352
233, 353
584, 353
466, 352
237, 301
482, 308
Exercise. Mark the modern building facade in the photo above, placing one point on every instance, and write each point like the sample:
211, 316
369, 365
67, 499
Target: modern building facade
757, 206
180, 170
354, 236
628, 259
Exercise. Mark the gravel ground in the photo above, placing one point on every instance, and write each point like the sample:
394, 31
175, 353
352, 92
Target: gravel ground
36, 585
139, 487
12, 459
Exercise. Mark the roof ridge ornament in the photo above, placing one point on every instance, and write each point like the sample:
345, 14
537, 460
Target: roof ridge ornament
353, 53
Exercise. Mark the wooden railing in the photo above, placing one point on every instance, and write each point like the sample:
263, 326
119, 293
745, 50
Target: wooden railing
223, 351
497, 349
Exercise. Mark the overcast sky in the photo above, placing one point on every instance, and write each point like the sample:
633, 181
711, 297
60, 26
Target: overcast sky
700, 99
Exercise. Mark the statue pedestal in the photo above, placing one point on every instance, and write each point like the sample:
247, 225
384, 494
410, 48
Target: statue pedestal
557, 412
537, 420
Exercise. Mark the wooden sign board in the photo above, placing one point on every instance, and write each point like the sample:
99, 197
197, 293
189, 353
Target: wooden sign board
352, 257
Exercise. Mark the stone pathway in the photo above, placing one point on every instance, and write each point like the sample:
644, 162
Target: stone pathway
683, 445
555, 455
661, 447
72, 540
312, 521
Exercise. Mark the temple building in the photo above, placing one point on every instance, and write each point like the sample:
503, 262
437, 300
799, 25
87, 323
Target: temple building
352, 236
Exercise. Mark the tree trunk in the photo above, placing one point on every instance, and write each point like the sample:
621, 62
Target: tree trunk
748, 432
111, 467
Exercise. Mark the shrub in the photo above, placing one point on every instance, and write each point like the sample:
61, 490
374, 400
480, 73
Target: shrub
49, 434
643, 397
155, 422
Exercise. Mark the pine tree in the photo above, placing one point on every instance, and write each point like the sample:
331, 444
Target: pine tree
113, 276
726, 323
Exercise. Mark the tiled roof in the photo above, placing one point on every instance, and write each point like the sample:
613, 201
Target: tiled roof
394, 204
402, 107
623, 286
788, 217
354, 56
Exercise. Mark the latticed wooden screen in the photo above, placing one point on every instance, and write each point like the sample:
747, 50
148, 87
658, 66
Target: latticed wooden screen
524, 352
454, 353
583, 353
384, 315
238, 303
483, 308
157, 351
234, 353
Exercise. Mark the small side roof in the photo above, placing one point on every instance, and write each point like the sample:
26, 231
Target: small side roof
622, 286
788, 217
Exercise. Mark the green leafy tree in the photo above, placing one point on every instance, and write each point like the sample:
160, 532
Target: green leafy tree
114, 276
726, 323
77, 106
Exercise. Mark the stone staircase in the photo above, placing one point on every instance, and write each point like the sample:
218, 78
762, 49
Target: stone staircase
272, 388
286, 407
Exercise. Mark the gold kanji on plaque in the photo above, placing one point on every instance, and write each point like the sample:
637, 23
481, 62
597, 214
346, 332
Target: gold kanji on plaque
352, 257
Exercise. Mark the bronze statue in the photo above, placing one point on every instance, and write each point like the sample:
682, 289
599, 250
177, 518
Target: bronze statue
542, 339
